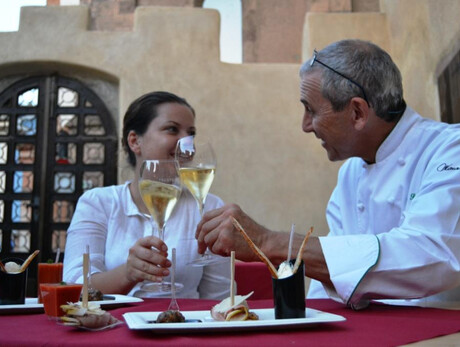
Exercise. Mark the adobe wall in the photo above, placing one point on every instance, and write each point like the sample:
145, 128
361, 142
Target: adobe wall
265, 163
421, 36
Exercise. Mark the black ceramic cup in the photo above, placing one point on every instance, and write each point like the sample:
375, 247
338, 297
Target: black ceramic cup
289, 295
13, 285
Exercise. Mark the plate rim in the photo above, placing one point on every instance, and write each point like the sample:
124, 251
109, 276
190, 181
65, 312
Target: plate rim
225, 326
32, 305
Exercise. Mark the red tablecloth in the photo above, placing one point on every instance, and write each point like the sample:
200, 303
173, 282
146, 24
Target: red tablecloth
378, 325
253, 277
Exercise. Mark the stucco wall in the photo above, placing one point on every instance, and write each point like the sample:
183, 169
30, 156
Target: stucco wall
420, 35
266, 164
252, 111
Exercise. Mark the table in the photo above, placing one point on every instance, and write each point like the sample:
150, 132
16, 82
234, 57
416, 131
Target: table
378, 325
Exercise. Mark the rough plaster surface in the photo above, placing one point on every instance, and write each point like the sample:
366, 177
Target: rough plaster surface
252, 111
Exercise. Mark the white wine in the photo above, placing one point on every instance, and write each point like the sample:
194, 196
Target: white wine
198, 181
160, 199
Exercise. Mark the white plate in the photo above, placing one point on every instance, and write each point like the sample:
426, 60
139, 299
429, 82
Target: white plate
145, 321
32, 306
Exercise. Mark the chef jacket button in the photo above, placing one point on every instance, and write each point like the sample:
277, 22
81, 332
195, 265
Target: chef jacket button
401, 161
391, 201
360, 207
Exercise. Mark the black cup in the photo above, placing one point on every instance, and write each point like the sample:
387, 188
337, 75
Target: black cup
13, 285
289, 295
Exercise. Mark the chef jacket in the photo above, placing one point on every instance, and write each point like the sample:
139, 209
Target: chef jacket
395, 224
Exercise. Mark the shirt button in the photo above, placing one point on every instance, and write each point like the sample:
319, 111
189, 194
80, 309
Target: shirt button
360, 207
401, 161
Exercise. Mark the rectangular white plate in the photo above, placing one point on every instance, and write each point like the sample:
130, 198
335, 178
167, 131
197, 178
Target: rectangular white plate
32, 306
145, 321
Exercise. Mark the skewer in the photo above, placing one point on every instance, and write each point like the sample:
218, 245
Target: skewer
291, 236
58, 253
173, 306
232, 278
85, 280
299, 254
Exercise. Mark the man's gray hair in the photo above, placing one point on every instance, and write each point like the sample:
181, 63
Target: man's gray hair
366, 64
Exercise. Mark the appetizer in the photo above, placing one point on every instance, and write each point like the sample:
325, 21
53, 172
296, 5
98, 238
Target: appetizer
170, 316
12, 267
239, 311
93, 295
92, 317
285, 270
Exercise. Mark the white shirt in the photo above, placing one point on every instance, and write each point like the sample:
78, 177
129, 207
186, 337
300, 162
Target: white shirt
109, 222
395, 225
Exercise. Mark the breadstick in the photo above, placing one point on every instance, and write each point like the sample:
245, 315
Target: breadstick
28, 260
299, 254
256, 249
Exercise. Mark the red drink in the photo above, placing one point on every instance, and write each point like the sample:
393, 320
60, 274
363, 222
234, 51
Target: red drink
48, 273
56, 294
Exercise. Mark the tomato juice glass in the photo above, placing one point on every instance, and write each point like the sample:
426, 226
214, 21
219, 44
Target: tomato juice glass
56, 294
48, 273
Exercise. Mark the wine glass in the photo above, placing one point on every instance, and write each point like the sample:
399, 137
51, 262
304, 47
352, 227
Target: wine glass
160, 189
196, 163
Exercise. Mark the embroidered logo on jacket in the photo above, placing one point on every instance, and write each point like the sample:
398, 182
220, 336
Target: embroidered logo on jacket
447, 167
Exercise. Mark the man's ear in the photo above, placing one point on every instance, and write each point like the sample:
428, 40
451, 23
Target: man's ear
360, 112
133, 141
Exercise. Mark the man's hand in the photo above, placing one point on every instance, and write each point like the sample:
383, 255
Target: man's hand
216, 232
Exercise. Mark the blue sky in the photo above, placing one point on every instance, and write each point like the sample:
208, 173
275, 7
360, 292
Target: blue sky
230, 11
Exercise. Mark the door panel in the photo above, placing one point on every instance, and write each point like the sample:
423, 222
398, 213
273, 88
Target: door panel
57, 140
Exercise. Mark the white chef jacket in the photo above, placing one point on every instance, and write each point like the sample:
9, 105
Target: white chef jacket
395, 224
108, 220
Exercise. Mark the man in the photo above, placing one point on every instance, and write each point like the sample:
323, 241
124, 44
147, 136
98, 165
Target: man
394, 216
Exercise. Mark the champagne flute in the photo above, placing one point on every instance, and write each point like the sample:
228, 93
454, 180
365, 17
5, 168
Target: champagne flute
160, 189
196, 163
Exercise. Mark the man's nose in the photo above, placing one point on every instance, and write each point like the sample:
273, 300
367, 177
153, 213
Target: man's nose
306, 124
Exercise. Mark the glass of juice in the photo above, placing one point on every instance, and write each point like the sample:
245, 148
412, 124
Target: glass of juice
56, 294
48, 273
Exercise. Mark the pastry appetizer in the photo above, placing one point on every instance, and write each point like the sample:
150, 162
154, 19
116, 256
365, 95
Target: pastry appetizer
239, 311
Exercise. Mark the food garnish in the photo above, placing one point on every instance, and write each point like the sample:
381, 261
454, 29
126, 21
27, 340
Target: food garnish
92, 317
283, 270
239, 311
256, 249
12, 267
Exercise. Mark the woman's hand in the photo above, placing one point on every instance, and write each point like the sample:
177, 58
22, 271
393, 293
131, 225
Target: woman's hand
147, 260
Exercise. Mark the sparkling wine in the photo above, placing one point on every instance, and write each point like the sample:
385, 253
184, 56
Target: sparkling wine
159, 198
198, 181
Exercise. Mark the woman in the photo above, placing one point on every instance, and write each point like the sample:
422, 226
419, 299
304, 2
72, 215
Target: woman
115, 223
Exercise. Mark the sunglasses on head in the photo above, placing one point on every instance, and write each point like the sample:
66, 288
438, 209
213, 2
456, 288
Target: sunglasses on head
315, 59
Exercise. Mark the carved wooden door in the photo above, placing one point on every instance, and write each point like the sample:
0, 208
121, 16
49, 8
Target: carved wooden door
57, 140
